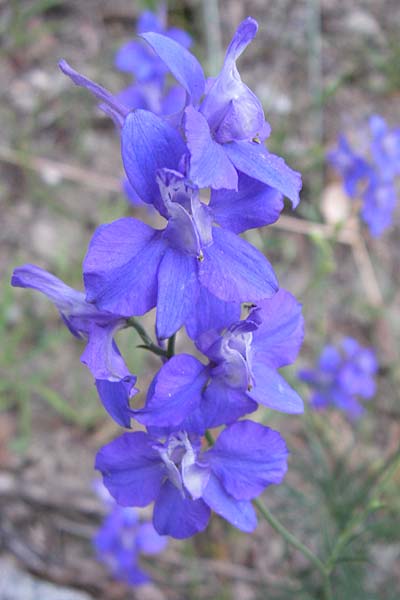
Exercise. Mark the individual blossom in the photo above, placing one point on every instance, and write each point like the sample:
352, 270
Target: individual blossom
343, 375
186, 482
242, 371
122, 538
84, 320
224, 121
131, 267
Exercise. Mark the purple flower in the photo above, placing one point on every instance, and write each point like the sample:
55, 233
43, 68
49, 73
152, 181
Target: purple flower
120, 540
149, 90
186, 483
342, 376
379, 201
137, 58
241, 373
385, 148
353, 168
223, 119
131, 267
84, 320
373, 182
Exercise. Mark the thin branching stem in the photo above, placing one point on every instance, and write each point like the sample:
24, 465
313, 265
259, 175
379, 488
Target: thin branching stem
148, 342
171, 346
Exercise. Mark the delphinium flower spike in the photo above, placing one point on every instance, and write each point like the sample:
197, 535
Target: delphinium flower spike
207, 172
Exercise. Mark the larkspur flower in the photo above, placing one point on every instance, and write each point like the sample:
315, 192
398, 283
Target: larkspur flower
120, 540
168, 268
114, 382
342, 376
222, 120
186, 483
241, 373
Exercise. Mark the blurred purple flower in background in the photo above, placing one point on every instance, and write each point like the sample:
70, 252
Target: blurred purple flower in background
122, 537
342, 376
149, 89
372, 179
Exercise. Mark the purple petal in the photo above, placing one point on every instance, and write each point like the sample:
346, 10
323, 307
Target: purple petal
176, 393
278, 338
177, 516
120, 268
101, 354
148, 143
132, 469
173, 101
272, 390
210, 313
247, 457
151, 21
222, 404
118, 109
148, 540
183, 65
379, 201
235, 271
232, 110
178, 289
179, 35
244, 34
255, 161
64, 297
135, 57
209, 165
78, 315
255, 204
115, 399
239, 513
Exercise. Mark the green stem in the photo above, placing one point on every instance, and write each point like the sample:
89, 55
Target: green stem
288, 537
148, 342
293, 541
171, 346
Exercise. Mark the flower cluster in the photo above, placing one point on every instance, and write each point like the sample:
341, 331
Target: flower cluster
121, 538
342, 376
206, 170
374, 179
